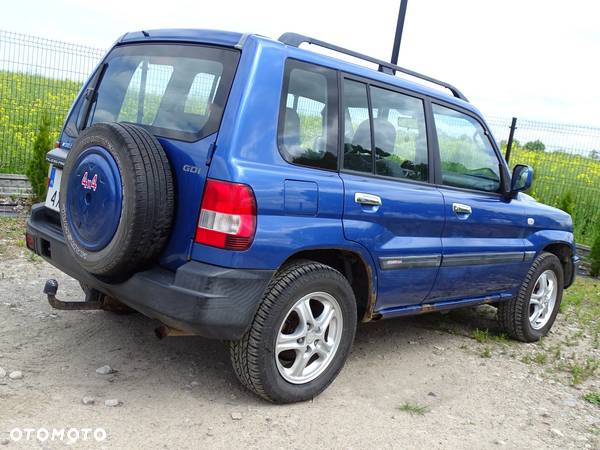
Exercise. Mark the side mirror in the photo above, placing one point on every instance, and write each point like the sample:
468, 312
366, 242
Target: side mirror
522, 178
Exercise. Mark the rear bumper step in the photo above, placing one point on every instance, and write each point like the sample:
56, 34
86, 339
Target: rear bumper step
197, 298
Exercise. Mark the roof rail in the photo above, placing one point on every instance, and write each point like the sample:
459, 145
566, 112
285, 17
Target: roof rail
295, 39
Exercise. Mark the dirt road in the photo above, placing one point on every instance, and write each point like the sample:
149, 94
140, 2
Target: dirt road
434, 381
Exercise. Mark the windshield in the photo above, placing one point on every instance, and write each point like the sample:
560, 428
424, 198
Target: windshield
174, 90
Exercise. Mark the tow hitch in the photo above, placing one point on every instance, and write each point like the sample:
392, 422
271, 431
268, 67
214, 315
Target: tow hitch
92, 299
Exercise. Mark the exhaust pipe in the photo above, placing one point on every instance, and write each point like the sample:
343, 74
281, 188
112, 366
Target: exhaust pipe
164, 331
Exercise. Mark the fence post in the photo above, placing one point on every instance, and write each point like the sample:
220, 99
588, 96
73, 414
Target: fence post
511, 135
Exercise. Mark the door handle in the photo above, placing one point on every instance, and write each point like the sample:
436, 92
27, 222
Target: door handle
459, 208
367, 199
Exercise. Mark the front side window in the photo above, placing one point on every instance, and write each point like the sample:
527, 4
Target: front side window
467, 156
400, 135
308, 115
174, 90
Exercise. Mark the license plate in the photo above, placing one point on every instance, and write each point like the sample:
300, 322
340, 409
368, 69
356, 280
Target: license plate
53, 195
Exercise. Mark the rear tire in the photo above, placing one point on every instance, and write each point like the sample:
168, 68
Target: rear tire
541, 292
297, 374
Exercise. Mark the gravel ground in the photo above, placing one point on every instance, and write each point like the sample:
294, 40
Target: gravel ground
433, 381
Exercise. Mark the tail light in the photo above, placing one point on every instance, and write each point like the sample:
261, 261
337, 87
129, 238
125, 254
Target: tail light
30, 241
227, 215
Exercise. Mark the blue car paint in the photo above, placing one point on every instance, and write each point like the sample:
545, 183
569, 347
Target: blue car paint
300, 208
300, 198
495, 225
190, 159
408, 223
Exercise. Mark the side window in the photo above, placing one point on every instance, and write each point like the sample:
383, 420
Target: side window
71, 125
467, 156
308, 115
400, 135
357, 128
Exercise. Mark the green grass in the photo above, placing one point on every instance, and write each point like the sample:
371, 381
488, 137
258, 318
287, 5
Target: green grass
592, 397
581, 373
484, 336
12, 232
541, 358
413, 409
581, 304
486, 353
24, 99
481, 336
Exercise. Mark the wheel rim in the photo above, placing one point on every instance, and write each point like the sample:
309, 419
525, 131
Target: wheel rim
543, 299
308, 337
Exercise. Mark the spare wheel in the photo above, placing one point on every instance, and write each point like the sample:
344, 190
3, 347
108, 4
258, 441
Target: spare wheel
117, 199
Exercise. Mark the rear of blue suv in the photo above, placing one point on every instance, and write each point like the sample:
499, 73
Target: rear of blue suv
245, 189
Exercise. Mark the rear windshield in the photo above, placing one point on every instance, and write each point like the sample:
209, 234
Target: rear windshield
174, 90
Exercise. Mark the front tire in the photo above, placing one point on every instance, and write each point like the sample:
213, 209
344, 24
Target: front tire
530, 315
301, 335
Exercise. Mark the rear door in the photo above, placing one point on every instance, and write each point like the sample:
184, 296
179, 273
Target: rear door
389, 206
483, 238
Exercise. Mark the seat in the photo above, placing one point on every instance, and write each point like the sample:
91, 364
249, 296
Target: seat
385, 137
291, 129
362, 136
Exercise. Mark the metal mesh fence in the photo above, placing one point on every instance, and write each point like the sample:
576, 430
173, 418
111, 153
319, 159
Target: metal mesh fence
38, 77
566, 161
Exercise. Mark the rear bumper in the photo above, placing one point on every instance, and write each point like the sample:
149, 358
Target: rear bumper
199, 298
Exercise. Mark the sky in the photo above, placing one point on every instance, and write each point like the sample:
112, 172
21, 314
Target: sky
531, 59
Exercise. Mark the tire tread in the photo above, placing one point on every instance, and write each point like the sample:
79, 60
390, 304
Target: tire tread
245, 352
511, 313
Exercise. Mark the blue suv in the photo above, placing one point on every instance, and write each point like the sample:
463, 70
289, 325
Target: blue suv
242, 188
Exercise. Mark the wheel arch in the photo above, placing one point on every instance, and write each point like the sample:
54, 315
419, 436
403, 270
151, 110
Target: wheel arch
564, 252
355, 267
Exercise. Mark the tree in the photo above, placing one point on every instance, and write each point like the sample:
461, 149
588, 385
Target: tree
595, 154
567, 203
595, 255
37, 170
536, 146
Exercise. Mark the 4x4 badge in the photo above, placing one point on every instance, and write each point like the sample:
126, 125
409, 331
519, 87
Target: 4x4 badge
89, 183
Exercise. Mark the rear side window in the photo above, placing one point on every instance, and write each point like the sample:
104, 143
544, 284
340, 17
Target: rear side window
400, 135
358, 154
174, 90
394, 127
466, 153
308, 115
